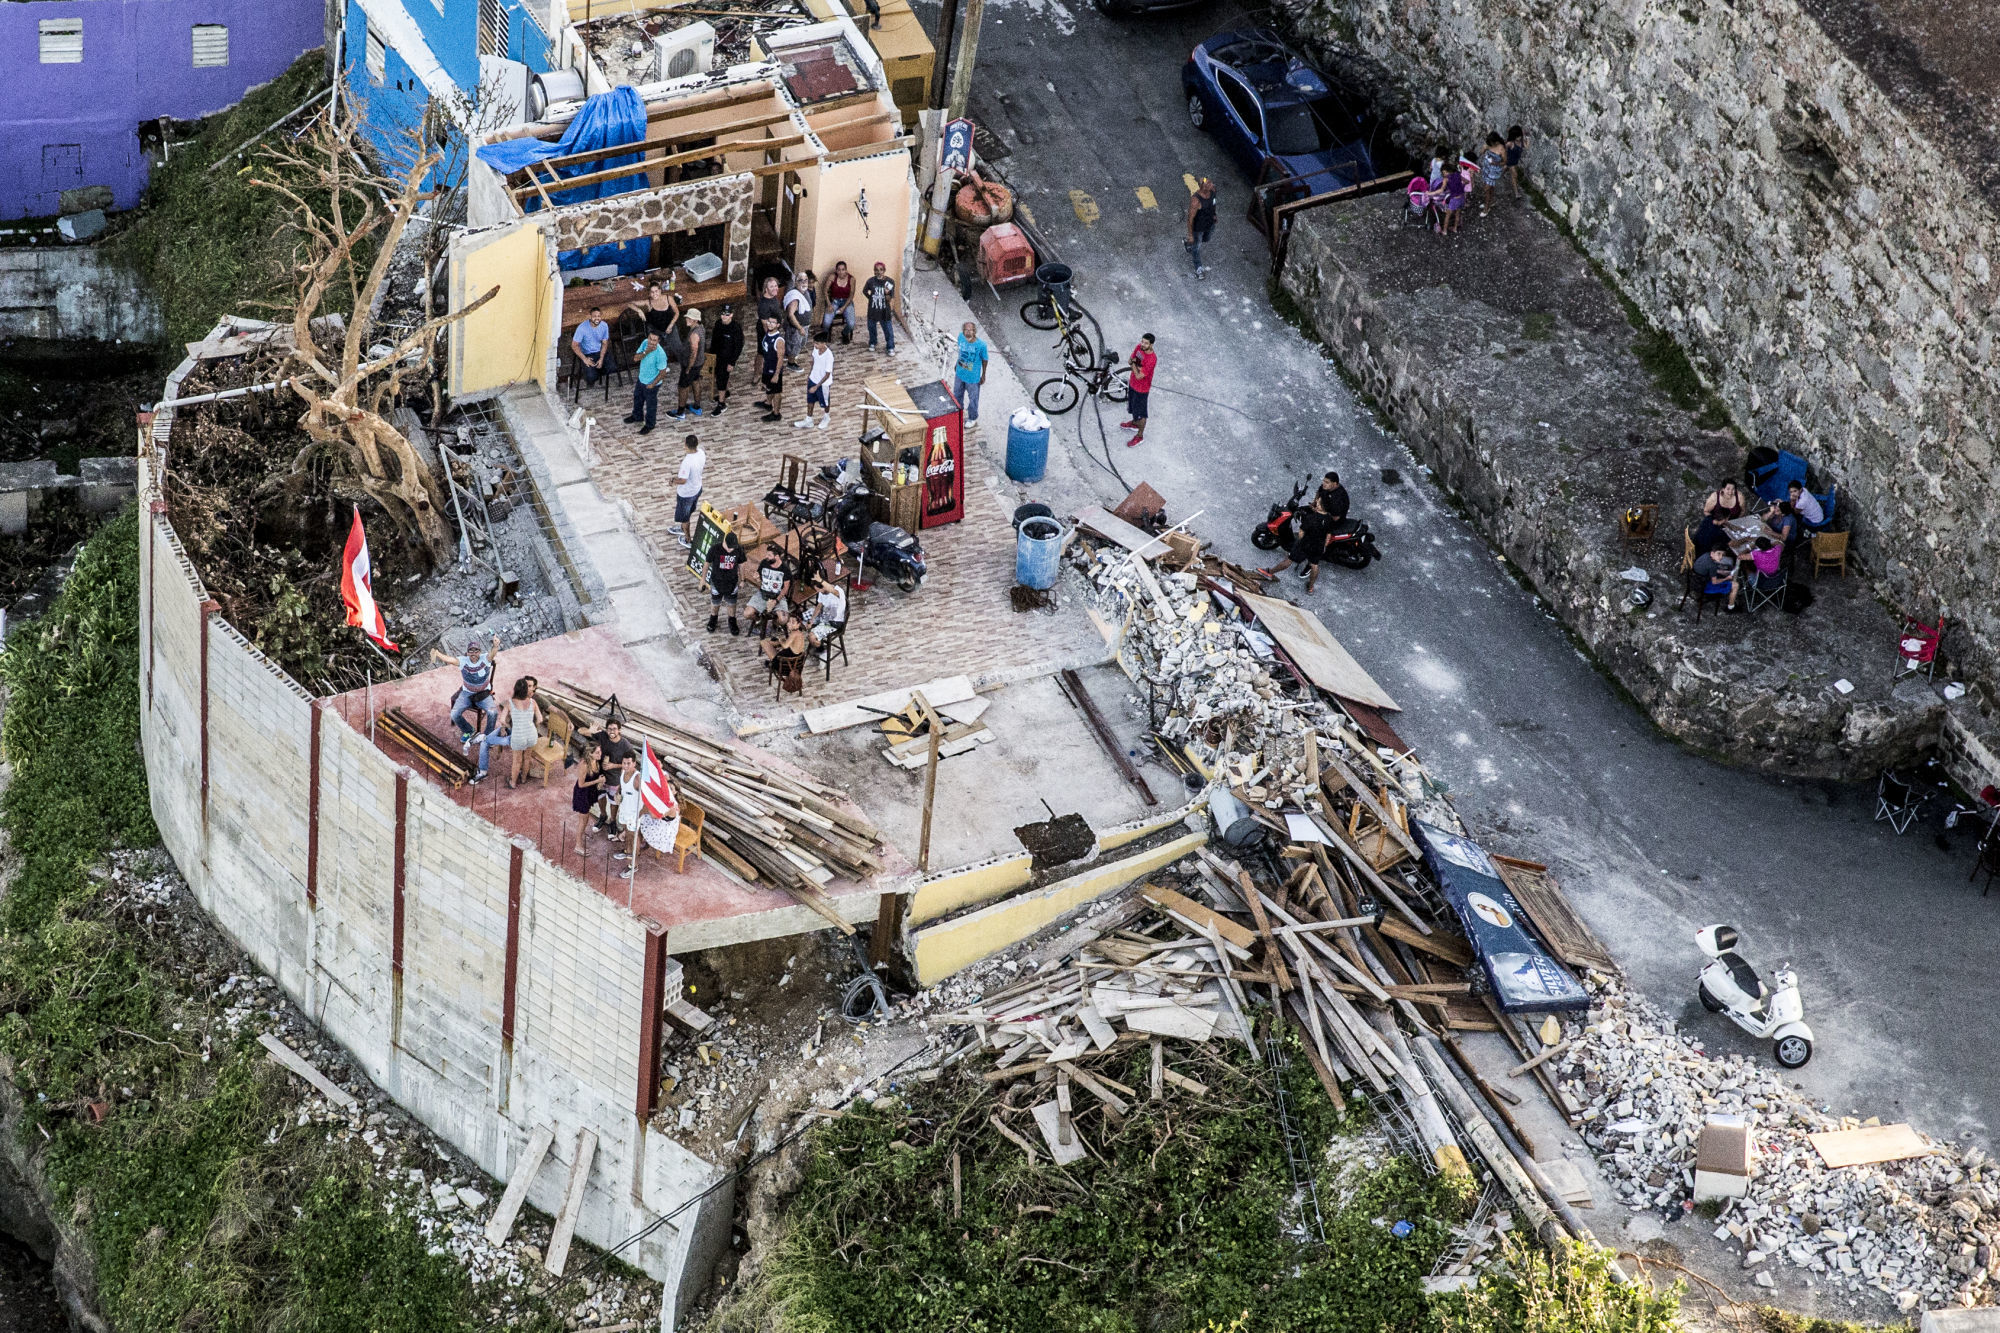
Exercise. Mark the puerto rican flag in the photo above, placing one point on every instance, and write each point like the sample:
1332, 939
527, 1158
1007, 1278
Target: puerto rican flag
357, 587
653, 787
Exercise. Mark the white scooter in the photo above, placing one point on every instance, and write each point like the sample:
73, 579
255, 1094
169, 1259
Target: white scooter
1729, 985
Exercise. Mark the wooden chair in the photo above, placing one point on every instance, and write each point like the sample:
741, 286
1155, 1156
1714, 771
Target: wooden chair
1687, 550
1376, 843
550, 751
687, 838
1829, 550
835, 642
1637, 524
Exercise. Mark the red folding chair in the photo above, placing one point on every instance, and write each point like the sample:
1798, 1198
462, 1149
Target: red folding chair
1917, 648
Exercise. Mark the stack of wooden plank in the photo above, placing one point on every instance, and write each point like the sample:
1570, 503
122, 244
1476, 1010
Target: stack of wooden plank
439, 756
785, 830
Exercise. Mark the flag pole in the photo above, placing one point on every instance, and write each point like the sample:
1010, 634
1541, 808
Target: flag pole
371, 704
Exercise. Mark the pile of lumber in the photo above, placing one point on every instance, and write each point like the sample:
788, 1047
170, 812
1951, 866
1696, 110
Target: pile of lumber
451, 766
785, 830
1126, 980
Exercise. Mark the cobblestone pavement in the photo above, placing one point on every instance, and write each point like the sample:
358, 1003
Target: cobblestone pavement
960, 622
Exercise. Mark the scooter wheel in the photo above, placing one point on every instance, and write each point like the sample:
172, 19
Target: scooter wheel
907, 585
1708, 1002
1262, 539
1792, 1051
1356, 561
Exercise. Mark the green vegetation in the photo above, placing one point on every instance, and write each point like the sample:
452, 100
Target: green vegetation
1177, 1224
206, 1206
1567, 1290
1538, 326
209, 243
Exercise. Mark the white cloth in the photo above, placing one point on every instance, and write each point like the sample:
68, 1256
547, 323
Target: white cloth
821, 373
799, 302
692, 466
659, 834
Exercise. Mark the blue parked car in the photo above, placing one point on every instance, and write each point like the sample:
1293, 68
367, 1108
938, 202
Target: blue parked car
1277, 115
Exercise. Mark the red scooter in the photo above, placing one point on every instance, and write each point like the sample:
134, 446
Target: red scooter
1349, 543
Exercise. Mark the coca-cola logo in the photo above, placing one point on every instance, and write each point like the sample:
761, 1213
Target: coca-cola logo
943, 467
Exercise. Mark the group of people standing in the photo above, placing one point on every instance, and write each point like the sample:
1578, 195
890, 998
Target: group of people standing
679, 345
1441, 196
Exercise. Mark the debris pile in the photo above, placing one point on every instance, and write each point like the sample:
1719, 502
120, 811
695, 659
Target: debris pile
1921, 1230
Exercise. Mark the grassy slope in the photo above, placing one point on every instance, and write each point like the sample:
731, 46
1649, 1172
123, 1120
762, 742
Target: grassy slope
207, 1207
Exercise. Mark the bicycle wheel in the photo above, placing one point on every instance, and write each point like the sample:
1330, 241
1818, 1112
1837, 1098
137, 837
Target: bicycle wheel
1120, 388
1056, 396
1039, 313
1079, 356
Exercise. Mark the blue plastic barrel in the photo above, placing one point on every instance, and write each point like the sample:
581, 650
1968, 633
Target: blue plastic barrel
1038, 554
1027, 445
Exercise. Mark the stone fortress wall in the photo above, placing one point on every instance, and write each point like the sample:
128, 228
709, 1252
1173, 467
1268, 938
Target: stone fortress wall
1826, 264
486, 991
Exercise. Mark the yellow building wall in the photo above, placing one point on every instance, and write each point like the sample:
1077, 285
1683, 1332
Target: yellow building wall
953, 945
830, 227
505, 341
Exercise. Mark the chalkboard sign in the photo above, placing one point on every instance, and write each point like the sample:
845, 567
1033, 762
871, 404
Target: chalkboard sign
709, 526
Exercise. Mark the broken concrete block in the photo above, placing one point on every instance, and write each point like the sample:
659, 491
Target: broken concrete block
82, 226
85, 199
444, 1197
1724, 1159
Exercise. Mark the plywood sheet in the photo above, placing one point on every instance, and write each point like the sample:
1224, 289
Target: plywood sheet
1113, 528
1318, 654
1877, 1143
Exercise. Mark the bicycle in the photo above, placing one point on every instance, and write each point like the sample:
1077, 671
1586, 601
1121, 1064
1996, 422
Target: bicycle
1106, 379
1055, 307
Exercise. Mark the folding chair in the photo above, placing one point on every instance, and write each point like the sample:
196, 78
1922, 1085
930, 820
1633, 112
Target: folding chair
1761, 593
1897, 801
1829, 550
1694, 585
1917, 648
1988, 860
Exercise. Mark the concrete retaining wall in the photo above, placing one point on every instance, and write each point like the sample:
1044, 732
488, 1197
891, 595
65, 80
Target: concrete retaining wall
485, 990
74, 293
1760, 197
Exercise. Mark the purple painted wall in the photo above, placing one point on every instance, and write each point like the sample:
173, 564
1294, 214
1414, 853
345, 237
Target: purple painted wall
67, 125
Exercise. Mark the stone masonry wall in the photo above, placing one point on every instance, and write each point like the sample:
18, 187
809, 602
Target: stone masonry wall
1760, 198
430, 1032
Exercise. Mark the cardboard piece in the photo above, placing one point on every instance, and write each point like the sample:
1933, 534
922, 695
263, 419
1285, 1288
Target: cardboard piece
1725, 1159
1877, 1143
1317, 653
1109, 526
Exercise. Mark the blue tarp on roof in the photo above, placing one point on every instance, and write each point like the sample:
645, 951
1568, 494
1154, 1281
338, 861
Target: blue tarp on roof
1523, 977
604, 121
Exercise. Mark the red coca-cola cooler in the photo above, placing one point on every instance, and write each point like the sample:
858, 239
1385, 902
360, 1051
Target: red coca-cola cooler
943, 460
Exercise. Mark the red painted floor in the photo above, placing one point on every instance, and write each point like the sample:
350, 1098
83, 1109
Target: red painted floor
592, 659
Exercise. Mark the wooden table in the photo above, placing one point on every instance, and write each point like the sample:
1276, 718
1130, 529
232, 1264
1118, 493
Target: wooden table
615, 294
1744, 532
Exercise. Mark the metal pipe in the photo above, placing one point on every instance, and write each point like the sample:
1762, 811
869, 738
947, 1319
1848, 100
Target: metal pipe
213, 397
274, 124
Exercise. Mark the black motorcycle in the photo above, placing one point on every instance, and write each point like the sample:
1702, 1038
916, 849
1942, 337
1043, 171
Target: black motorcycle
888, 549
1349, 541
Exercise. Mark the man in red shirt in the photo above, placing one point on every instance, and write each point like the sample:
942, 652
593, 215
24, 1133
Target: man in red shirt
1140, 367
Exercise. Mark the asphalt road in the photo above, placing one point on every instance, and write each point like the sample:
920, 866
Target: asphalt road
1544, 758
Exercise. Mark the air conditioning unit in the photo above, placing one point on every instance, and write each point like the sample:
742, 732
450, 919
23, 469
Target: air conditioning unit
686, 52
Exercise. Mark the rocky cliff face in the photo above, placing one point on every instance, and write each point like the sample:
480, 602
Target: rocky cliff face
1826, 264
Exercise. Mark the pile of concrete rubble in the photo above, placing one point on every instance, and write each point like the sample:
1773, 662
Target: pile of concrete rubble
1922, 1230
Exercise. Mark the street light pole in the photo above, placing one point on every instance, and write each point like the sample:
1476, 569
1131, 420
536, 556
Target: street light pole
941, 69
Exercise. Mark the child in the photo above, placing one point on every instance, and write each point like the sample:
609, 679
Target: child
1457, 185
589, 787
819, 379
1491, 163
771, 351
1517, 149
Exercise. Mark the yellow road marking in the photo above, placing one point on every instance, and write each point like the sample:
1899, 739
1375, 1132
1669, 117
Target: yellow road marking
1146, 200
1190, 182
1086, 208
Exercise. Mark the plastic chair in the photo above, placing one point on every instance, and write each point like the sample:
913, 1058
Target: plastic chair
1917, 648
1829, 549
1826, 508
1897, 801
1772, 480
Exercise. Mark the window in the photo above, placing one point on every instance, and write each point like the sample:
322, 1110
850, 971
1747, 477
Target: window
1243, 102
492, 28
211, 45
62, 41
376, 56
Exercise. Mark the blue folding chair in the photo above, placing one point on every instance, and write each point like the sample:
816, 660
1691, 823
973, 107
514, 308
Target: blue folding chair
1772, 479
1826, 509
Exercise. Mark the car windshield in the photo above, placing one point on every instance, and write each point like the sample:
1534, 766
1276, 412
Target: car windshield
1308, 127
